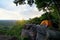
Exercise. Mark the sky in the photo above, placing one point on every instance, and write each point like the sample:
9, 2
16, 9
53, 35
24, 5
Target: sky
9, 11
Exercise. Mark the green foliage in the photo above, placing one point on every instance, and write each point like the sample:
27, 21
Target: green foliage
46, 16
30, 2
19, 2
35, 20
41, 4
14, 30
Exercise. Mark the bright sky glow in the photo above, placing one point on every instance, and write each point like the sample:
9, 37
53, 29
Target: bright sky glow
9, 11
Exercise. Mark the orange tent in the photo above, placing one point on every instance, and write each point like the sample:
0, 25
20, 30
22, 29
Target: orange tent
46, 22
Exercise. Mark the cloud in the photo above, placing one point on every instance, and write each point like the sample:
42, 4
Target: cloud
9, 11
9, 15
14, 15
32, 13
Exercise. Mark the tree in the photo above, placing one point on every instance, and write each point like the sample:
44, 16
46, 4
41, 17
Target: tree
30, 2
40, 3
43, 4
35, 20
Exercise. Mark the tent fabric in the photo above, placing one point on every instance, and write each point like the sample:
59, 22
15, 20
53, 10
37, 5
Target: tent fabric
46, 22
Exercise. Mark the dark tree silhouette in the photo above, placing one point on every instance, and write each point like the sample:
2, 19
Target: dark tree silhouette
42, 4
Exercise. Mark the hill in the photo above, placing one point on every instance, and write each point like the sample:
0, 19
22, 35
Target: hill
6, 24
